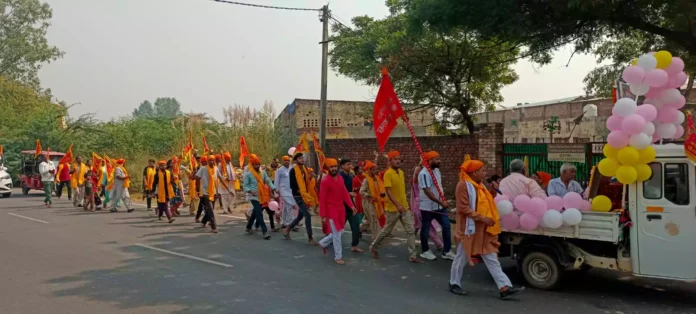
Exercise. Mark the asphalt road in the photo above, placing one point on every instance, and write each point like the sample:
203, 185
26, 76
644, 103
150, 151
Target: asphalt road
65, 260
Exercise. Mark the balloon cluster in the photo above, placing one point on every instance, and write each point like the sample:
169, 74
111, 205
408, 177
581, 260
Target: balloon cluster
531, 213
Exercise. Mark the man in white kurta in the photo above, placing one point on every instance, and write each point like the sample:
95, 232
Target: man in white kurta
120, 189
226, 190
282, 182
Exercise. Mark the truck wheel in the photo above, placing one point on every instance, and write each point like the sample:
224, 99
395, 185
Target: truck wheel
541, 270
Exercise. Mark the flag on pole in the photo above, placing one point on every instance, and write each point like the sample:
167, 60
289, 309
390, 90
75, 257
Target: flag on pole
206, 148
38, 148
243, 149
68, 158
387, 110
303, 145
320, 153
1, 150
97, 162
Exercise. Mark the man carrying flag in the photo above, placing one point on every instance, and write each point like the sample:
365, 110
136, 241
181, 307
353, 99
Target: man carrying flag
227, 187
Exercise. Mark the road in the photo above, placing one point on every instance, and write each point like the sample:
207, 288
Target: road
65, 260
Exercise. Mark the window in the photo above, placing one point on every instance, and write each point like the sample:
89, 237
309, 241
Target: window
333, 122
677, 183
310, 123
652, 188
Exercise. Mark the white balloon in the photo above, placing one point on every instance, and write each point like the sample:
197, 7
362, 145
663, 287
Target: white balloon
572, 216
666, 130
624, 107
649, 128
670, 95
639, 89
504, 208
552, 219
640, 140
680, 117
291, 151
647, 62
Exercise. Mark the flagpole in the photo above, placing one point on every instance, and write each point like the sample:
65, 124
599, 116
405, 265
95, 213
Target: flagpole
420, 151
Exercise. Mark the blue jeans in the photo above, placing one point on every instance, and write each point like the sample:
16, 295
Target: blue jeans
442, 217
303, 213
257, 216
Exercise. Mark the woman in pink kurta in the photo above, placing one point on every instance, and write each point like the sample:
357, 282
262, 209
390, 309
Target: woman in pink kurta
332, 197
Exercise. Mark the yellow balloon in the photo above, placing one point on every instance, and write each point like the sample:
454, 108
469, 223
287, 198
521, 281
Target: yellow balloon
609, 151
664, 59
601, 203
644, 172
628, 156
634, 62
607, 167
647, 155
626, 174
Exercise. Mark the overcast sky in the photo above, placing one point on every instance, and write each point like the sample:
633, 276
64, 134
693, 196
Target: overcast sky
210, 55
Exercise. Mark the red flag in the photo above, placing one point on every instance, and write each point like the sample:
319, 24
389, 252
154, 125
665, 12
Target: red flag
303, 145
206, 149
38, 148
317, 145
243, 149
68, 158
387, 110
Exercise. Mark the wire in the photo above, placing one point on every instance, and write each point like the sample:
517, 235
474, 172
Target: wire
339, 22
266, 6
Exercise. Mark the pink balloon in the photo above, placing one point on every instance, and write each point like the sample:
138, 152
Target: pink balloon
529, 221
614, 123
586, 206
680, 132
273, 205
572, 200
647, 111
654, 92
618, 139
655, 138
633, 74
522, 202
554, 202
633, 124
539, 207
680, 79
656, 78
676, 66
501, 198
510, 221
668, 115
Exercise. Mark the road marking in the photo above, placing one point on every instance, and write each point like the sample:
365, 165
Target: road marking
184, 255
29, 218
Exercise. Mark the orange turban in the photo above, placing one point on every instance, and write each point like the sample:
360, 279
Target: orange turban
545, 177
254, 160
120, 161
393, 154
286, 158
470, 166
204, 159
162, 162
218, 157
431, 155
331, 162
310, 169
368, 165
211, 157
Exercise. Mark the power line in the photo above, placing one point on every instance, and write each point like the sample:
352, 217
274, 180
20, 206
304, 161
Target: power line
339, 22
266, 6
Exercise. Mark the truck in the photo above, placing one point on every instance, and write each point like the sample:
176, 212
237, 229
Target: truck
654, 243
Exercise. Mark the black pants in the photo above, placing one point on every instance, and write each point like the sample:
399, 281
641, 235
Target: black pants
149, 199
302, 213
354, 226
200, 208
59, 189
209, 213
270, 217
257, 216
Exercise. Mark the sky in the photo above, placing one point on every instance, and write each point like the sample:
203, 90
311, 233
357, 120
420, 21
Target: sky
211, 55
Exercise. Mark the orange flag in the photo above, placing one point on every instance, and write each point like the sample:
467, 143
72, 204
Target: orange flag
97, 162
1, 150
243, 149
206, 149
68, 158
317, 145
38, 148
303, 145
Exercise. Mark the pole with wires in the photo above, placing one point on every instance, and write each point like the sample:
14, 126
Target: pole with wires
324, 74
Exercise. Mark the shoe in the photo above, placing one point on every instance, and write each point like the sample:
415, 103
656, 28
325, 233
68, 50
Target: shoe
113, 210
511, 291
457, 289
131, 210
171, 220
266, 236
448, 256
428, 255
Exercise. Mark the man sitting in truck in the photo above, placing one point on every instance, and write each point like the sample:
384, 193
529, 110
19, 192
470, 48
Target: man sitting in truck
565, 183
518, 184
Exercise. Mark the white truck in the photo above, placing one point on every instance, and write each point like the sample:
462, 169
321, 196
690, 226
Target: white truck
659, 244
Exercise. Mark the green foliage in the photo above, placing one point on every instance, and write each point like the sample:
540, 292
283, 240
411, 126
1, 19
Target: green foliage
164, 107
23, 44
144, 110
455, 72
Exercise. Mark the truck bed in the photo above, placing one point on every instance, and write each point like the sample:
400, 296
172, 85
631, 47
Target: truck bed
595, 226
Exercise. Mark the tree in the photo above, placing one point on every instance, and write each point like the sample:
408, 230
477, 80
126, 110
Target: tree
454, 72
167, 107
23, 44
145, 110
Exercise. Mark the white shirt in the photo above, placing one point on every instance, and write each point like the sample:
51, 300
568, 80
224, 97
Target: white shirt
425, 181
282, 183
44, 168
205, 179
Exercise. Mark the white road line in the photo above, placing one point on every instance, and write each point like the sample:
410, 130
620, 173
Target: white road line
184, 255
29, 218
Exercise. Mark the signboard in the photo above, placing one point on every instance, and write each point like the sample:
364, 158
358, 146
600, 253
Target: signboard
566, 152
598, 148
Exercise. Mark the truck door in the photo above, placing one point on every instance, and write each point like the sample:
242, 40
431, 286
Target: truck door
666, 222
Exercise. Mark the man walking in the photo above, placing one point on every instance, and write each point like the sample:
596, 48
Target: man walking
351, 217
208, 174
120, 185
63, 180
299, 184
148, 180
77, 181
162, 188
48, 178
258, 187
432, 207
282, 183
226, 187
333, 200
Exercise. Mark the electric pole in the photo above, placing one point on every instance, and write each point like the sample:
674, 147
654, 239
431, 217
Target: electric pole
324, 73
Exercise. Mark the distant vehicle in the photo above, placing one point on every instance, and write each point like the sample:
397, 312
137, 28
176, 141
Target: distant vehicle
5, 180
31, 178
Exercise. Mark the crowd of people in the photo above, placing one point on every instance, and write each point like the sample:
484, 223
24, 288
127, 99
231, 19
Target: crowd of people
371, 201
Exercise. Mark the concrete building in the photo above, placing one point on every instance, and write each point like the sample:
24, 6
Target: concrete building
347, 119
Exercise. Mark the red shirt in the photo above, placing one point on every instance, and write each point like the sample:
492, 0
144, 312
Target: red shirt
64, 174
332, 196
357, 183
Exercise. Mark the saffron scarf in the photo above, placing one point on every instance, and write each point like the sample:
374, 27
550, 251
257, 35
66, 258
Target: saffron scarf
485, 205
193, 189
263, 193
301, 176
150, 178
313, 192
211, 182
78, 177
376, 191
164, 182
126, 182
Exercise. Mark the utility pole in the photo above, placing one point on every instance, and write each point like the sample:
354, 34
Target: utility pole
324, 75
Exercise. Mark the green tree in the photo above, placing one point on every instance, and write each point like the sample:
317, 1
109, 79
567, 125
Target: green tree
23, 44
455, 72
145, 110
167, 107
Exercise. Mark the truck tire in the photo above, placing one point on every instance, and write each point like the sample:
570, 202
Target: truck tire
541, 270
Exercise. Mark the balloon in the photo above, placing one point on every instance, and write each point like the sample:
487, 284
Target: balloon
572, 200
680, 131
529, 221
572, 216
609, 151
539, 207
501, 198
640, 140
554, 202
601, 203
647, 155
633, 75
504, 208
680, 79
664, 59
628, 156
607, 166
670, 95
647, 111
586, 206
614, 123
656, 138
649, 129
273, 205
653, 93
291, 151
676, 66
656, 78
644, 172
522, 202
647, 62
618, 139
553, 219
668, 115
666, 130
624, 107
679, 103
626, 174
510, 222
633, 124
680, 117
639, 89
